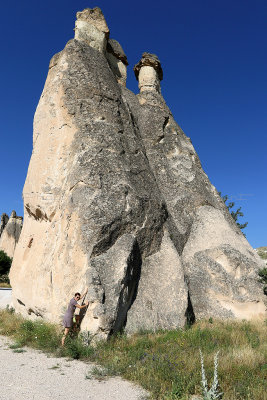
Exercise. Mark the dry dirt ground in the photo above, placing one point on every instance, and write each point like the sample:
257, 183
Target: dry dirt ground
32, 375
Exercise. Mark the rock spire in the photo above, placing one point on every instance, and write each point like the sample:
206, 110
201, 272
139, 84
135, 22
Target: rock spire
4, 221
116, 200
149, 73
10, 230
91, 27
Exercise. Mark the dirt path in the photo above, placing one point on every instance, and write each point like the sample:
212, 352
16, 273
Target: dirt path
32, 375
5, 297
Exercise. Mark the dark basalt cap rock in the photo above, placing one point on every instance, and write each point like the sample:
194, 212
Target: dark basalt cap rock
150, 60
115, 48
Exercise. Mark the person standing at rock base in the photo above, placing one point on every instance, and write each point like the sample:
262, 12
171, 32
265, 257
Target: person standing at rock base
68, 317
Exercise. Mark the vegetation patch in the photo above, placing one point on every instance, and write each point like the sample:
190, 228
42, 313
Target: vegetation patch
5, 264
166, 363
262, 252
4, 283
55, 366
263, 279
14, 346
19, 351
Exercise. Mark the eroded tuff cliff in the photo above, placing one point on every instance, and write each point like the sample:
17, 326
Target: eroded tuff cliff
10, 229
116, 199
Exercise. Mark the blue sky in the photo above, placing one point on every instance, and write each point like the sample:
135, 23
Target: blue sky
214, 58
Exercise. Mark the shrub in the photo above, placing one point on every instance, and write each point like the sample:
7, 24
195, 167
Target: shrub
263, 275
262, 252
75, 348
5, 263
4, 278
263, 279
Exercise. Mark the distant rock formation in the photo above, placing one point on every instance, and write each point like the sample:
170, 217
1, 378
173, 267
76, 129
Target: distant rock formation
10, 230
4, 221
116, 199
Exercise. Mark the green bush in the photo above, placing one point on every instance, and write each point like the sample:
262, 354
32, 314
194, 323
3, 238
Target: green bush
4, 279
262, 252
5, 263
263, 279
263, 275
75, 348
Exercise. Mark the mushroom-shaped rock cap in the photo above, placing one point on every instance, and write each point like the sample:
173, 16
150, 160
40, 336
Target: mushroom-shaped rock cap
115, 48
13, 214
150, 60
95, 17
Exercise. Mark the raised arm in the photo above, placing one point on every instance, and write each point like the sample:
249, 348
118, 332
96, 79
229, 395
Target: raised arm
82, 295
78, 305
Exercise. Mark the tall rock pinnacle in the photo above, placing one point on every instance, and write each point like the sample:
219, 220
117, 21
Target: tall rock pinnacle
116, 200
91, 27
4, 221
148, 72
10, 230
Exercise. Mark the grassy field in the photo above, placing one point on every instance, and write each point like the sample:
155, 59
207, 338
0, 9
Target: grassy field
166, 363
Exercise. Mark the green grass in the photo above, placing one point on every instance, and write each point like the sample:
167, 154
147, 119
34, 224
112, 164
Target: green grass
14, 346
55, 366
19, 351
166, 363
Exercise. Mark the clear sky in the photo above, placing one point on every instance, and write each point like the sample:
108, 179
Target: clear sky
214, 58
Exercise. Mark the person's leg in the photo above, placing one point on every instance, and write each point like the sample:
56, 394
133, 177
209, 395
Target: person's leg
76, 324
66, 331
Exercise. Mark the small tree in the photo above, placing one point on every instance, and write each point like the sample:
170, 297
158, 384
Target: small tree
5, 263
235, 214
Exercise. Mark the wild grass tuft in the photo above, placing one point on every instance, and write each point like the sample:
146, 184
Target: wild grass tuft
166, 363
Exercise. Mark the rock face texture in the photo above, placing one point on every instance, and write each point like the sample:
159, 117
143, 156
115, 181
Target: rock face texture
117, 61
10, 230
118, 202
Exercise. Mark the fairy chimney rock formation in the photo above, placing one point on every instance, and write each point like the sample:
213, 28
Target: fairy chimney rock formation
149, 73
10, 232
91, 27
4, 221
116, 200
